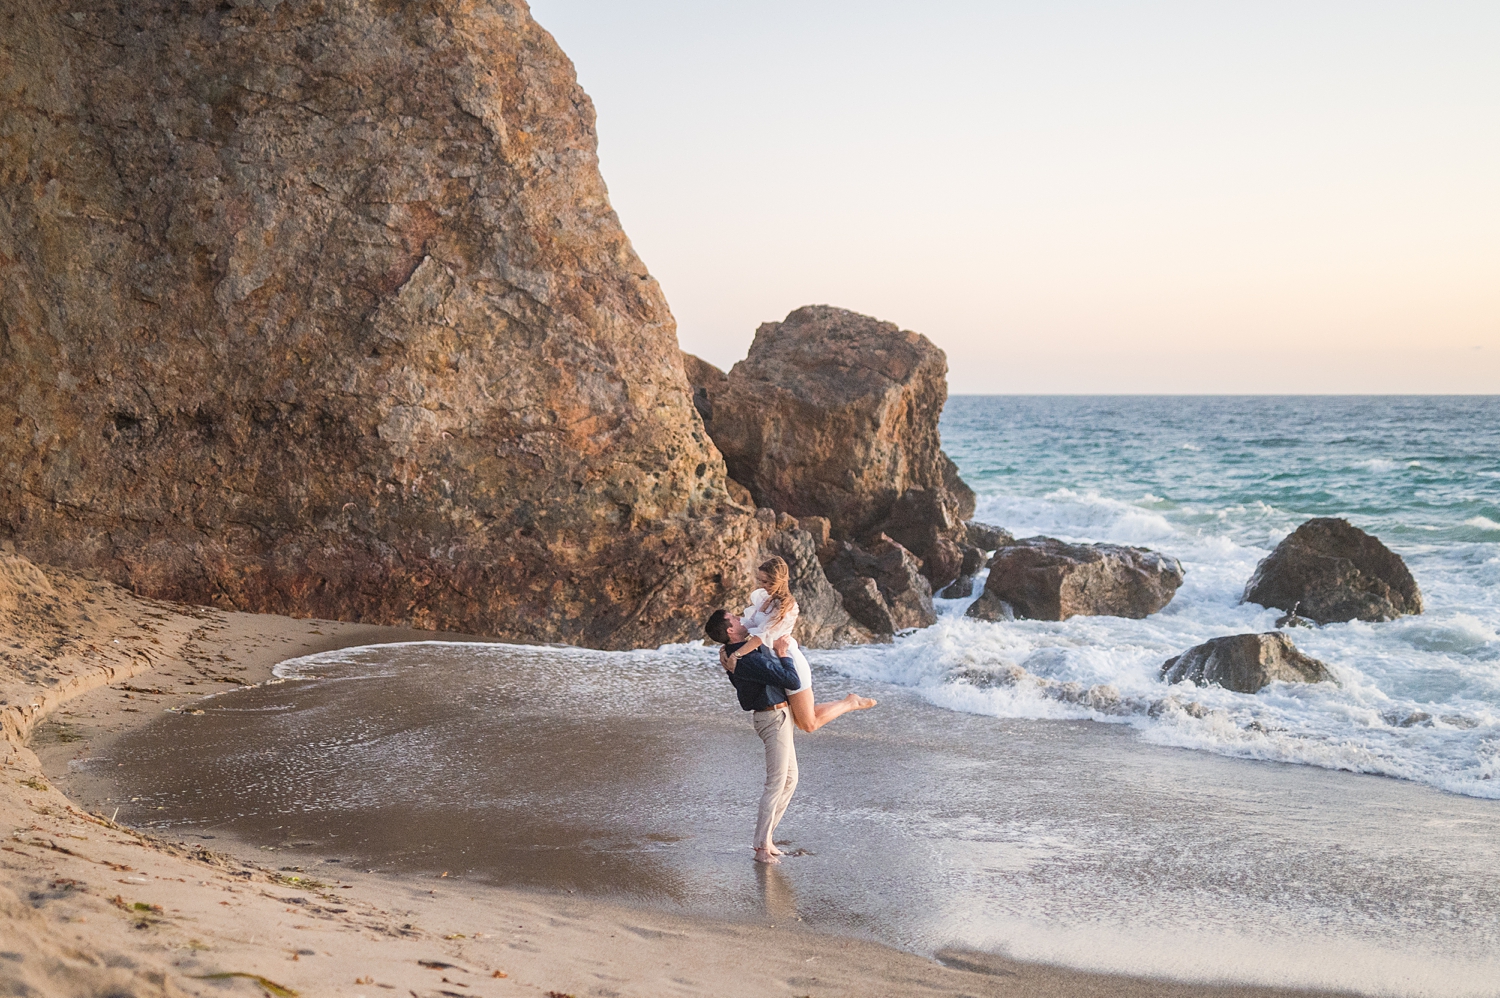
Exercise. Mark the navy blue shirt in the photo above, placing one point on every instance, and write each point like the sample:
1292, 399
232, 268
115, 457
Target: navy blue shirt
761, 679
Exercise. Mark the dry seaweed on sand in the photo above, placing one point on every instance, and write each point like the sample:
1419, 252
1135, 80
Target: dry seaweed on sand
271, 987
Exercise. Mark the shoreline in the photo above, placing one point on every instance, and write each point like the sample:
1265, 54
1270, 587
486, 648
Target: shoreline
108, 906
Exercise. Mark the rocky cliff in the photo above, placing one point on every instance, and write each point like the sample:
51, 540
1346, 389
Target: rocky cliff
322, 309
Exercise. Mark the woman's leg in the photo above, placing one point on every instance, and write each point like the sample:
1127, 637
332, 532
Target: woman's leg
811, 716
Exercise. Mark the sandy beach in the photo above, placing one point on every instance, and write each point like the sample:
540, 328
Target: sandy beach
1183, 620
91, 905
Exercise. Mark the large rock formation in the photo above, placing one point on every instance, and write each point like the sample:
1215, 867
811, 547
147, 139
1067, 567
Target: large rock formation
1046, 579
1329, 570
831, 414
1245, 663
835, 414
322, 309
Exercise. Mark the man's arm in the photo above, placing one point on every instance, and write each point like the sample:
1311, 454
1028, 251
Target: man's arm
760, 666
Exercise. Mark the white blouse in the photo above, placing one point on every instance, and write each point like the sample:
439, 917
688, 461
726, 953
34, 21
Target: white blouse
757, 618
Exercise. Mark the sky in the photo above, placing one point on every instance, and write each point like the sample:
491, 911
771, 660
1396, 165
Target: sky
1070, 197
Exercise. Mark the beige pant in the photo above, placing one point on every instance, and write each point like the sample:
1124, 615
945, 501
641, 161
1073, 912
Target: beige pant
775, 729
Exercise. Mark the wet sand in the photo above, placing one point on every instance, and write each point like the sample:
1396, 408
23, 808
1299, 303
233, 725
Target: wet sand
90, 906
1064, 842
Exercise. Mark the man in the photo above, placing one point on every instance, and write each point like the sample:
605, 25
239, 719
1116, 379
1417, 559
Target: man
760, 681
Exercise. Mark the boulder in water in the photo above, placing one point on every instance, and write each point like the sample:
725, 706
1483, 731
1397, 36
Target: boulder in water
1331, 571
902, 597
963, 586
990, 607
1245, 663
1042, 578
987, 537
960, 588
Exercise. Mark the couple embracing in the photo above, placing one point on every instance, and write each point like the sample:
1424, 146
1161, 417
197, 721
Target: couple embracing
772, 679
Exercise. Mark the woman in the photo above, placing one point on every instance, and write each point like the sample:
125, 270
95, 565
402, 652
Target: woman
772, 613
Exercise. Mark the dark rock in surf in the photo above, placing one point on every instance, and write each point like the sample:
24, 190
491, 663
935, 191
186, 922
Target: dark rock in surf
1331, 571
1401, 718
974, 560
1042, 578
980, 539
987, 537
1245, 663
960, 588
1292, 619
902, 596
927, 523
963, 586
991, 608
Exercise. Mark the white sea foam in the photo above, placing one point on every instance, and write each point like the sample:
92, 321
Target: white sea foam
1417, 698
1482, 523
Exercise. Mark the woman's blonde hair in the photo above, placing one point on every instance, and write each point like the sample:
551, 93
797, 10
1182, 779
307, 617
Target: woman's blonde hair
779, 587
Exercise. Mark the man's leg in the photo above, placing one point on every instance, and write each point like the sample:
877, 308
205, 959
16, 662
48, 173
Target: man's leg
774, 729
788, 729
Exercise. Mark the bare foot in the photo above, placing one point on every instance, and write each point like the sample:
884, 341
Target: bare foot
859, 702
774, 851
764, 855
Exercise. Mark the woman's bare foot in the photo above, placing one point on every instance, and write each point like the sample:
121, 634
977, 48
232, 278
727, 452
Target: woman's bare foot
764, 855
858, 702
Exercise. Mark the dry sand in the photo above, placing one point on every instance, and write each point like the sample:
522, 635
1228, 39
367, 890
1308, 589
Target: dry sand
88, 907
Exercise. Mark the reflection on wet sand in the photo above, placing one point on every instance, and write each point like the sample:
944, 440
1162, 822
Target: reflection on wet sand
777, 895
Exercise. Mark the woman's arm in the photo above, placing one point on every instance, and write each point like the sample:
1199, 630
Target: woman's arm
748, 647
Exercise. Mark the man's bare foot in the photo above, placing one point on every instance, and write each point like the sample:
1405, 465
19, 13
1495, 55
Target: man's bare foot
764, 855
859, 702
774, 851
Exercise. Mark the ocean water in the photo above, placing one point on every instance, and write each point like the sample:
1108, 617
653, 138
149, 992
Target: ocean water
1217, 483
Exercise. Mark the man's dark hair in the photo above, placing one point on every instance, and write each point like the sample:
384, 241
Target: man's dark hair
717, 626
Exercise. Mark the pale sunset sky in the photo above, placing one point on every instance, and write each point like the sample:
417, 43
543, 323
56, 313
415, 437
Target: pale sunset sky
1073, 197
